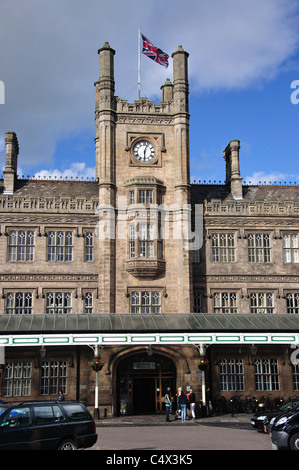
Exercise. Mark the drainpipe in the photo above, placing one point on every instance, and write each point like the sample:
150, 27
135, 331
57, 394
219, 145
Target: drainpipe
78, 375
203, 377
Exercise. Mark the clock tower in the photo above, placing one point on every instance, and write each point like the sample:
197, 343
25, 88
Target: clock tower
142, 169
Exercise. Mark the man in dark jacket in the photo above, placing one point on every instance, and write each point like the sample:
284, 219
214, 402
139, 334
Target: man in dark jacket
183, 404
167, 401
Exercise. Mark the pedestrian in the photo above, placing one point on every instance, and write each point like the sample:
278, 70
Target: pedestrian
183, 404
192, 403
209, 402
60, 395
178, 411
167, 401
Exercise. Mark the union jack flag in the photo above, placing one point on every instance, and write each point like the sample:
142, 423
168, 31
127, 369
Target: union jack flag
154, 52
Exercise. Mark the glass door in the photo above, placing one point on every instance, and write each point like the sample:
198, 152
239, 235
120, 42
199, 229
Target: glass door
163, 383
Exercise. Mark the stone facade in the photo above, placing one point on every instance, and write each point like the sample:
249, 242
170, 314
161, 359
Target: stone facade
70, 247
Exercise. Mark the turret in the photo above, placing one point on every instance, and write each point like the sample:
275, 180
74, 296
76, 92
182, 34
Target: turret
105, 126
232, 167
180, 80
181, 121
11, 163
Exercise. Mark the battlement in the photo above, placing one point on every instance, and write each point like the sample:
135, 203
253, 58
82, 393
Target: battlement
143, 106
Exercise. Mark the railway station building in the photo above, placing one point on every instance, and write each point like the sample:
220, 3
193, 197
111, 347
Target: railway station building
146, 269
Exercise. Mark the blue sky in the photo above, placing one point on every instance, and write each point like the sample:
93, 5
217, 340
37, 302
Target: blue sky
243, 59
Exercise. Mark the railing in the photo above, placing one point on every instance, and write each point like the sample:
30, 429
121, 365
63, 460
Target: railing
249, 183
249, 404
194, 181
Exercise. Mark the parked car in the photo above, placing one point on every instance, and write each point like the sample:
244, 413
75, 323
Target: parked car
260, 421
46, 425
284, 431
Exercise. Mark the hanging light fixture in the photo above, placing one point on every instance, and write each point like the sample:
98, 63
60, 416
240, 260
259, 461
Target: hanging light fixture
42, 352
149, 350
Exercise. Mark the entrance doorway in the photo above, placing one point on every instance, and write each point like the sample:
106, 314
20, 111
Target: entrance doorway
143, 395
142, 382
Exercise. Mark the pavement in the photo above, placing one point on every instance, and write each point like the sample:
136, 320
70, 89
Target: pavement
238, 420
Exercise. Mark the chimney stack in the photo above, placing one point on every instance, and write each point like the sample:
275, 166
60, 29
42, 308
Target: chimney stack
11, 163
232, 166
167, 91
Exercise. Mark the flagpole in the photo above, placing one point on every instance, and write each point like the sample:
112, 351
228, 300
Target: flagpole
139, 72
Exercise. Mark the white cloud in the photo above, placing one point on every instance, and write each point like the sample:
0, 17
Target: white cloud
260, 177
77, 170
238, 43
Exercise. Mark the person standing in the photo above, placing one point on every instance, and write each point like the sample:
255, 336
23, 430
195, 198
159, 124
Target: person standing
192, 403
183, 404
167, 401
178, 411
60, 395
209, 403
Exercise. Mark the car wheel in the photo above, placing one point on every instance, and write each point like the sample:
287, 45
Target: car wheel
294, 442
68, 444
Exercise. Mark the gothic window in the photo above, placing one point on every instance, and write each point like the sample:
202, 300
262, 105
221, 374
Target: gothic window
262, 302
223, 247
53, 377
132, 197
197, 299
145, 301
60, 246
88, 302
292, 302
89, 243
266, 374
258, 248
21, 245
18, 303
225, 302
145, 196
290, 248
144, 241
231, 374
296, 377
17, 379
59, 302
132, 241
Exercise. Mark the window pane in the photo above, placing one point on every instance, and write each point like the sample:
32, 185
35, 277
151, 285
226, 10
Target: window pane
146, 302
60, 246
231, 374
21, 245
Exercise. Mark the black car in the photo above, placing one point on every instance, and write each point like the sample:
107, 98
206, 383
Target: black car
261, 420
284, 431
46, 425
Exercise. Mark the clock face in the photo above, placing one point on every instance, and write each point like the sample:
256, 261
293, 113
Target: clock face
144, 151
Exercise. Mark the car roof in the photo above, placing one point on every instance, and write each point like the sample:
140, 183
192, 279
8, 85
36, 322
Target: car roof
37, 402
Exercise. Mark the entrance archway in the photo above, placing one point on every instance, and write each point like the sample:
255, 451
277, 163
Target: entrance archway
142, 382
